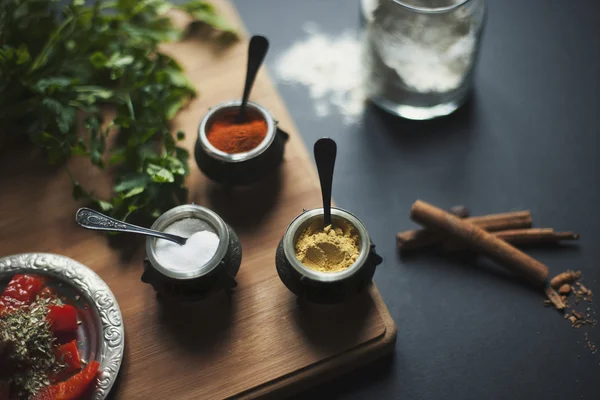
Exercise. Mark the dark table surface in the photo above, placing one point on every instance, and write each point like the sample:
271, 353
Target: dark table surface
529, 139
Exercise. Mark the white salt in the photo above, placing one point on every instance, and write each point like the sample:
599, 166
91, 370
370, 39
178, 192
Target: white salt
200, 247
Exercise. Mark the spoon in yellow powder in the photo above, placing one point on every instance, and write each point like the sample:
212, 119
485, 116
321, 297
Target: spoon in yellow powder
325, 151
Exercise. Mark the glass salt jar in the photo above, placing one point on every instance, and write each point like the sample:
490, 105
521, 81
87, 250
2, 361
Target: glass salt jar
325, 287
420, 55
193, 282
239, 168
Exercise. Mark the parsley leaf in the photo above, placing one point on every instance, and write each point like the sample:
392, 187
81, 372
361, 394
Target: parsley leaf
63, 63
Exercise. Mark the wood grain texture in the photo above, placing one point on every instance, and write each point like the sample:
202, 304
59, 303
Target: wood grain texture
255, 342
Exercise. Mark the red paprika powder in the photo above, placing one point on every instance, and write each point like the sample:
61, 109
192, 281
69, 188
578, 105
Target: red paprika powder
233, 137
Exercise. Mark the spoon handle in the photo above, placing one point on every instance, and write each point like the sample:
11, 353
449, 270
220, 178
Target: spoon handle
257, 50
92, 219
325, 152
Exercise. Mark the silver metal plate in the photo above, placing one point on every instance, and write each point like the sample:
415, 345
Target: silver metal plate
101, 334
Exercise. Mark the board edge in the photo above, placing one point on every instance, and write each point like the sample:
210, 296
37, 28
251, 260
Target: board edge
335, 366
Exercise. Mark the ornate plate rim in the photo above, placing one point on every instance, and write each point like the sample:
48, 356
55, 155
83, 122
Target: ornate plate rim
96, 292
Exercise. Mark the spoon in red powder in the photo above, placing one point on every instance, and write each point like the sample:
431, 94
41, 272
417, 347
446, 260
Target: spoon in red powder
257, 50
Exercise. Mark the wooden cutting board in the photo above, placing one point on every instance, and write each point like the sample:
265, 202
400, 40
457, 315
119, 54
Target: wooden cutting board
256, 342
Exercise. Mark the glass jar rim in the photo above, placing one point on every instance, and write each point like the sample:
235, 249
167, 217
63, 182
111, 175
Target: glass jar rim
427, 10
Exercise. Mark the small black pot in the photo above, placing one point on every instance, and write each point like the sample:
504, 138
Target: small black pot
241, 168
325, 287
186, 286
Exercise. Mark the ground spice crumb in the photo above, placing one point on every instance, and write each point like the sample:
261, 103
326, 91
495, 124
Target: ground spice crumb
589, 344
564, 289
564, 277
555, 299
567, 284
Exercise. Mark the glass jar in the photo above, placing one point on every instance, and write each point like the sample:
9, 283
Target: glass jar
420, 54
325, 287
242, 168
195, 284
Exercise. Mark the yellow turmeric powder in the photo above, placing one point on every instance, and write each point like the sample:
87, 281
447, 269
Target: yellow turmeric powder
329, 249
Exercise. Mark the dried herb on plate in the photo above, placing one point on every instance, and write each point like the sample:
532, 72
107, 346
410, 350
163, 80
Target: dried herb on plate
61, 65
32, 364
26, 340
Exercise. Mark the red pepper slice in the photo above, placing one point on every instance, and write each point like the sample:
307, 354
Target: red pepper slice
72, 388
21, 290
63, 319
68, 354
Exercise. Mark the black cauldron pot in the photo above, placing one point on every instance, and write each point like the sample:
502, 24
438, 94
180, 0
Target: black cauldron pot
192, 285
325, 287
240, 168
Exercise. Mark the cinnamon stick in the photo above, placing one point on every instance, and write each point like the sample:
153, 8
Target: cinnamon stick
459, 211
522, 236
421, 238
478, 239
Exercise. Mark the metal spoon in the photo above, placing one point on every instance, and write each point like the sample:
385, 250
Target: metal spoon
94, 220
257, 50
325, 151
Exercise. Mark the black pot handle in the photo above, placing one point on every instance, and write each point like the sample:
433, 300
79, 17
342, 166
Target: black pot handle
376, 258
229, 280
282, 134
